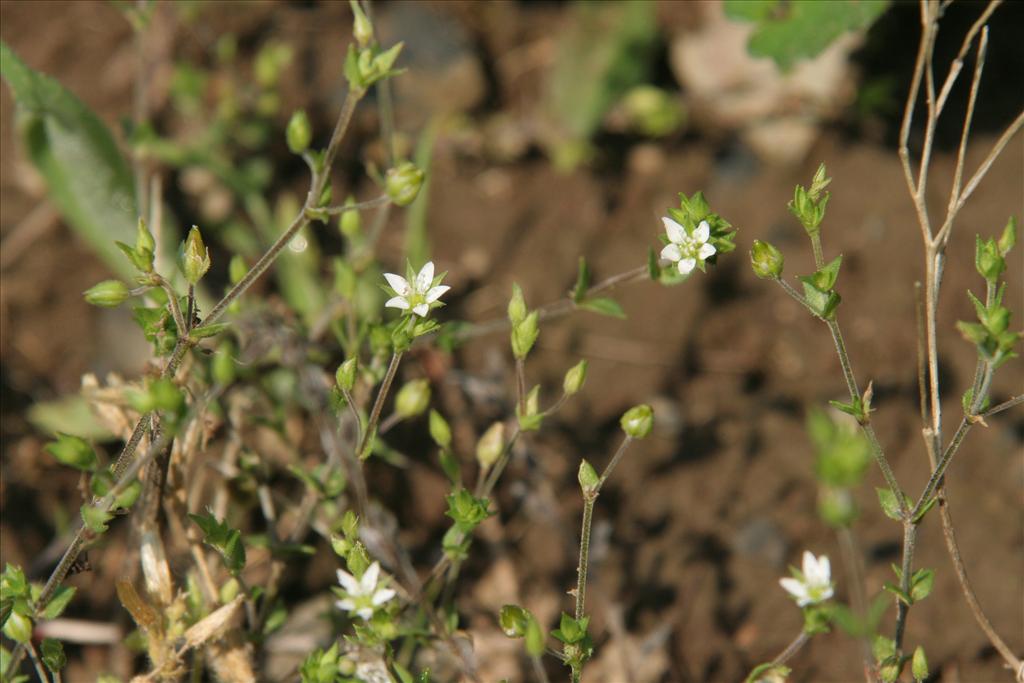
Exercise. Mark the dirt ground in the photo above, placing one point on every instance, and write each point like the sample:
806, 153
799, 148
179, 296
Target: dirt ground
701, 519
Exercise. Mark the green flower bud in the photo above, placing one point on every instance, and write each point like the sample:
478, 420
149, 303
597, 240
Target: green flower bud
413, 398
1009, 237
766, 260
384, 61
534, 638
513, 620
516, 306
299, 132
524, 335
345, 375
403, 183
350, 222
18, 628
575, 378
229, 590
919, 665
195, 257
350, 525
491, 445
340, 545
637, 421
52, 654
237, 268
440, 432
109, 293
588, 478
73, 452
987, 259
362, 29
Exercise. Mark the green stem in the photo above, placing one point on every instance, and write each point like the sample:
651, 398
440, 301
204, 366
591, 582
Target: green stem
371, 426
819, 257
34, 656
902, 608
581, 569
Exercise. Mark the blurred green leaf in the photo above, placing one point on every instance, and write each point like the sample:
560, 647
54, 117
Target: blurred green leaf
790, 31
88, 178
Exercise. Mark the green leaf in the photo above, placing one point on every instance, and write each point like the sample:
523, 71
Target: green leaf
788, 32
890, 504
208, 330
87, 176
52, 651
61, 597
95, 519
224, 539
921, 584
604, 306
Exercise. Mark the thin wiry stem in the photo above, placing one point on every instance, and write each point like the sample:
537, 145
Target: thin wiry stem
906, 571
378, 404
36, 662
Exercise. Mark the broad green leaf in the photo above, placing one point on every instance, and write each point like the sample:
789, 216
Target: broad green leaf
604, 306
788, 32
88, 178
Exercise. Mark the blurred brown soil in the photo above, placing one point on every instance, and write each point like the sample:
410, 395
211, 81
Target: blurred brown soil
701, 519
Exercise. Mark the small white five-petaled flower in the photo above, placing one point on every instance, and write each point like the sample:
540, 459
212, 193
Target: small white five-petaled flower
363, 594
685, 250
418, 294
813, 584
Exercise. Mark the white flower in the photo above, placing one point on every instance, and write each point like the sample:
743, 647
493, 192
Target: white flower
813, 584
687, 249
363, 594
418, 294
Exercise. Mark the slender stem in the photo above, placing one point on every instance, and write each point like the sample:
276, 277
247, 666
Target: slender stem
521, 385
819, 257
855, 578
538, 668
554, 309
371, 426
34, 656
614, 461
795, 646
139, 104
869, 431
993, 154
172, 302
797, 297
906, 569
359, 206
1005, 405
922, 362
301, 220
581, 568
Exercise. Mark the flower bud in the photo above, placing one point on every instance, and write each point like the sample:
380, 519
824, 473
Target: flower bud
145, 246
18, 627
299, 132
490, 445
440, 432
919, 665
413, 398
403, 183
1009, 236
195, 257
350, 221
109, 293
575, 378
524, 335
516, 306
237, 268
345, 375
588, 478
362, 29
222, 368
766, 260
637, 421
513, 620
987, 259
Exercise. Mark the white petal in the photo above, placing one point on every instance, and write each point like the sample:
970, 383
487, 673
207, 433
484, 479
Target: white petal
706, 250
794, 587
702, 232
823, 571
398, 302
348, 582
365, 612
435, 293
826, 594
369, 580
687, 265
676, 233
425, 277
671, 252
810, 567
398, 283
422, 310
383, 595
346, 604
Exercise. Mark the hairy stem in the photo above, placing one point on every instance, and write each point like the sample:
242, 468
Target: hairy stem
371, 425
